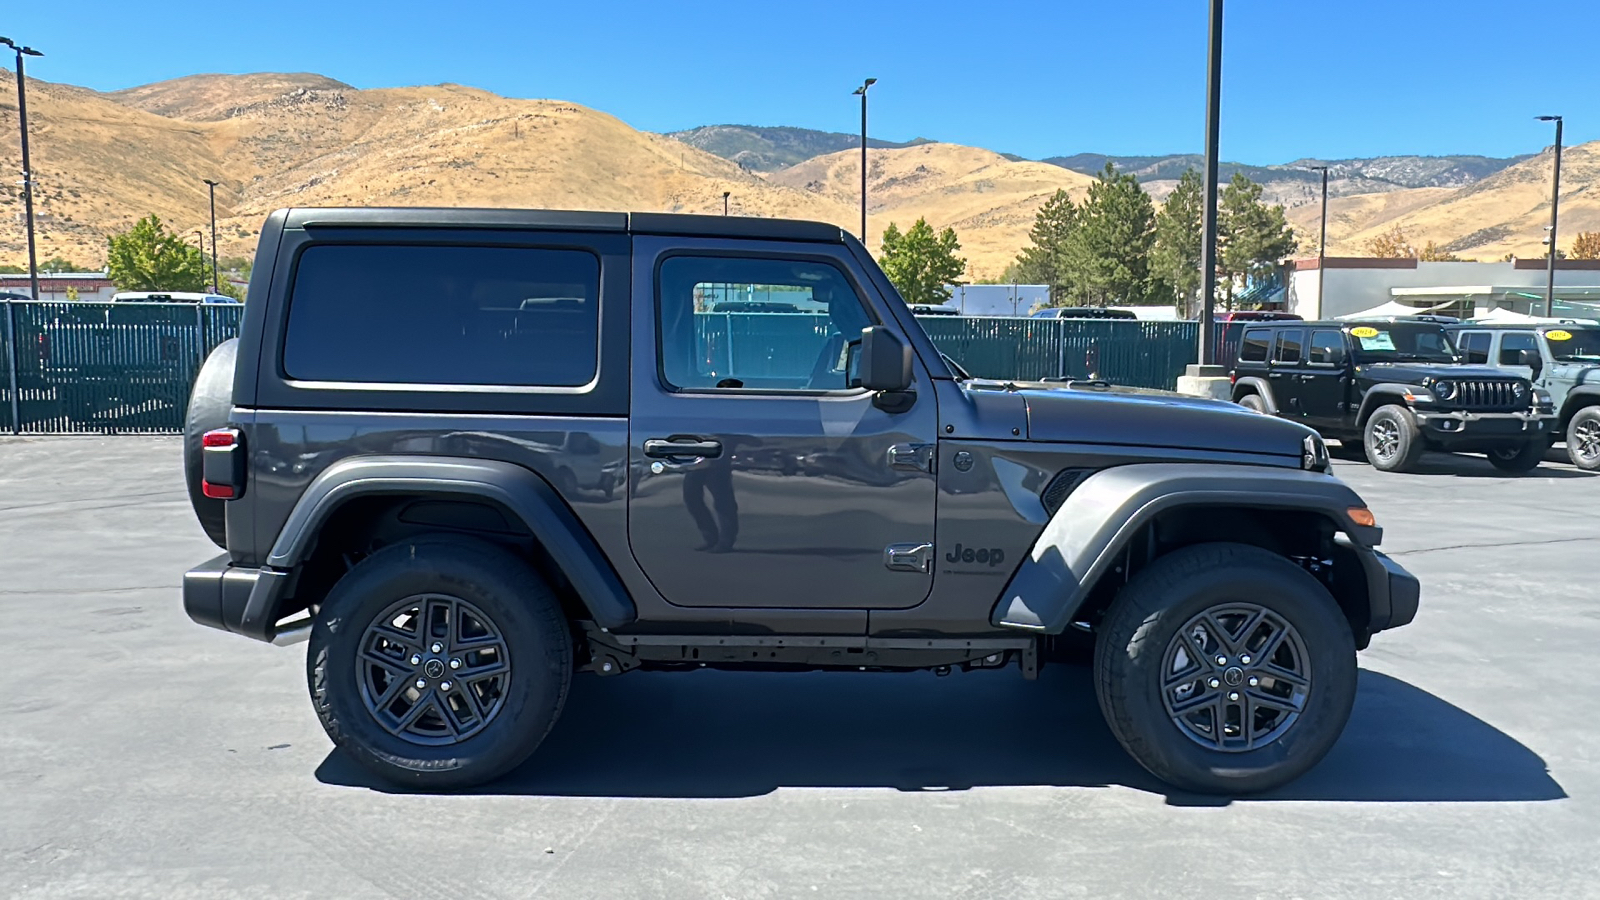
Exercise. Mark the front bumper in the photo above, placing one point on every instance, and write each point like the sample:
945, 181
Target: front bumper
1462, 430
1393, 594
238, 600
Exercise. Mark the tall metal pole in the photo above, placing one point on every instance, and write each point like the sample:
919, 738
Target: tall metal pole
27, 166
216, 280
1322, 243
1208, 243
1555, 204
862, 91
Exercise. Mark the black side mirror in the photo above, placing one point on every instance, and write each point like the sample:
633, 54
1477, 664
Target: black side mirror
882, 362
1333, 356
1530, 358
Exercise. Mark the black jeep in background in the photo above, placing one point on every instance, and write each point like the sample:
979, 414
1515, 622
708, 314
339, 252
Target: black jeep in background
1397, 386
542, 459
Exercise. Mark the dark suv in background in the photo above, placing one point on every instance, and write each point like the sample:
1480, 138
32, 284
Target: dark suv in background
1397, 386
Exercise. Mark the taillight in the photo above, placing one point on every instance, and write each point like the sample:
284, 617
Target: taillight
44, 348
222, 459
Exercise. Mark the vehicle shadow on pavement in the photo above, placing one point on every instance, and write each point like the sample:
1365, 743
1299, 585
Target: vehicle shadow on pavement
741, 734
1461, 465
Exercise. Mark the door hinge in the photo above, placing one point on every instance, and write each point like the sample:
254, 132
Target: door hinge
916, 457
908, 557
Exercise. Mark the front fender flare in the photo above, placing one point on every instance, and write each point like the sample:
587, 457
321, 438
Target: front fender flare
519, 490
1091, 528
1578, 397
1377, 394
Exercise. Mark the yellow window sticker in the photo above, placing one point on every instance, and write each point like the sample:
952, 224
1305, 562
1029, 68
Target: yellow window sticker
1558, 335
1364, 332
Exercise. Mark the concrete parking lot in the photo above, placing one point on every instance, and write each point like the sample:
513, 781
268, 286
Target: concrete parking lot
149, 757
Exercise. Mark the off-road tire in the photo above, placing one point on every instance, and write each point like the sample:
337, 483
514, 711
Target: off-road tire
1255, 403
506, 589
1522, 459
1145, 617
1584, 419
1409, 447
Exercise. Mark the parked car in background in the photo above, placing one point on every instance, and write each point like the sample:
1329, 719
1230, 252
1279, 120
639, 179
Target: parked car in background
1082, 312
753, 306
1563, 360
169, 297
932, 309
1397, 386
1256, 315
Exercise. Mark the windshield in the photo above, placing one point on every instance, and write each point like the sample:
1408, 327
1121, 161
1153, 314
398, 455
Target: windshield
1574, 344
1401, 341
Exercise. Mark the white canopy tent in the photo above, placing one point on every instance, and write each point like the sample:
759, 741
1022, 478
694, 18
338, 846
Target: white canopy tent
1501, 316
1393, 308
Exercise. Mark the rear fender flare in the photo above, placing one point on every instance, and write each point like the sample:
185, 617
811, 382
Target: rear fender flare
1085, 536
1258, 386
519, 490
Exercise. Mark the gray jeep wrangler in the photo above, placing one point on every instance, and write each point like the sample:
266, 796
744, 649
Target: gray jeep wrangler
472, 453
1561, 360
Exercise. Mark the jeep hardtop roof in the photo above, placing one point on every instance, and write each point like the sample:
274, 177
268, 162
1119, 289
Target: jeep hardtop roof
678, 224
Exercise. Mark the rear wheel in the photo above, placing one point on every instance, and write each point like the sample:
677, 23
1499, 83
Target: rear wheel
439, 664
1224, 668
1519, 459
1392, 440
1254, 403
1583, 438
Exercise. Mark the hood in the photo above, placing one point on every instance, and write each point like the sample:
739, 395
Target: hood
1149, 418
1415, 372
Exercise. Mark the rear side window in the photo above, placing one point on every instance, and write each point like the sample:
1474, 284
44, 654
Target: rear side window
1289, 343
444, 315
1511, 343
1254, 346
1475, 346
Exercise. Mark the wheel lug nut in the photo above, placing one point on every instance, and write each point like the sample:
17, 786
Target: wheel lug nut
1233, 695
445, 686
1245, 660
455, 663
1254, 681
1222, 660
437, 647
1214, 683
416, 659
422, 684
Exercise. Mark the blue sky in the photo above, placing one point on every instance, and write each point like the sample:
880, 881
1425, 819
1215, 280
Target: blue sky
1300, 78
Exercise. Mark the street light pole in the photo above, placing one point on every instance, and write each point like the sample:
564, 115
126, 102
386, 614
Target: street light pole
27, 167
216, 280
862, 92
1208, 243
1322, 243
1555, 204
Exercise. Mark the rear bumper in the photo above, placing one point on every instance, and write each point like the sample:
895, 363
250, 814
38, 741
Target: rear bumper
1461, 430
237, 599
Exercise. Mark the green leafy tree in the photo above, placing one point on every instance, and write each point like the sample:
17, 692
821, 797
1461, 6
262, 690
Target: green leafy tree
1176, 257
148, 257
1106, 258
920, 263
1253, 238
1391, 244
1043, 260
59, 264
13, 270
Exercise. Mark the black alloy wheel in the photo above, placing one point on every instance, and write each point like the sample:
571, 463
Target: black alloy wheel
434, 669
1237, 677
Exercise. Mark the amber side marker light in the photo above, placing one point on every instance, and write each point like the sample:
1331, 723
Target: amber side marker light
1362, 516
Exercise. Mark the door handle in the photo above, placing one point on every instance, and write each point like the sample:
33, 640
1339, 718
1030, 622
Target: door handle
669, 449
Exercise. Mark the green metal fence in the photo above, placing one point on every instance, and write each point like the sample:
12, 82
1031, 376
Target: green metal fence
127, 368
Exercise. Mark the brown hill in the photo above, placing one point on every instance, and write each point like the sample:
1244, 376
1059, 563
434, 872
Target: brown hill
275, 140
989, 200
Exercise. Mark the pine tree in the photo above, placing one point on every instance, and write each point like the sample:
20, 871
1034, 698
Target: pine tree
1041, 262
921, 264
1107, 255
1252, 237
1176, 257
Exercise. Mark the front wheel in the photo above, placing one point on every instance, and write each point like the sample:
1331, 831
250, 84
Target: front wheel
1519, 459
439, 664
1392, 440
1224, 668
1583, 439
